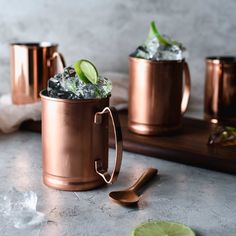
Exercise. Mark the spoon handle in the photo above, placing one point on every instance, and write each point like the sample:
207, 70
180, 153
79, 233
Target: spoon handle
148, 174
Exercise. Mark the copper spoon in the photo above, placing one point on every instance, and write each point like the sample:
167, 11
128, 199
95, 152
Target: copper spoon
129, 196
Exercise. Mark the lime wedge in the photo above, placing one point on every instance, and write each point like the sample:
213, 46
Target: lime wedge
162, 228
86, 71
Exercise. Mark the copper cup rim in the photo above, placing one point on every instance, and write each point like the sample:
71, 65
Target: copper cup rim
42, 44
221, 59
92, 100
148, 61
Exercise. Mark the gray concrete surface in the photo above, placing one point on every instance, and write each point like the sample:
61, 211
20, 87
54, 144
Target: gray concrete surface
204, 200
106, 32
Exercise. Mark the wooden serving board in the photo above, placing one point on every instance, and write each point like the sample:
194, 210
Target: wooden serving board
188, 146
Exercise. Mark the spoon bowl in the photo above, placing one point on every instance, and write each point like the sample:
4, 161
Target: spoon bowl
124, 197
129, 196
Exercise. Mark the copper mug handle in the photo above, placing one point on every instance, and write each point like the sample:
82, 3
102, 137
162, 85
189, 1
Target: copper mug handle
187, 85
59, 57
118, 144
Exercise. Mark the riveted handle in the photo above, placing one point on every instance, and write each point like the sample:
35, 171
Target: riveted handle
118, 144
59, 57
187, 84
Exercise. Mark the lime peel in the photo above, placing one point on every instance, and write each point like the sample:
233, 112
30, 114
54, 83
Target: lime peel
153, 32
86, 71
162, 228
161, 39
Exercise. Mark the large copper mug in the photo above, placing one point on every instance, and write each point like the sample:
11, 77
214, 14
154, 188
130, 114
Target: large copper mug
31, 65
220, 90
75, 142
156, 97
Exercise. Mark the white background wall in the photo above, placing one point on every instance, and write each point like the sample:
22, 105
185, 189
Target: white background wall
106, 31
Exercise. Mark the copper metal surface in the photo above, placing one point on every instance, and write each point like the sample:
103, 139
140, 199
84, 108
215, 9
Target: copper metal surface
75, 143
156, 99
130, 195
31, 65
220, 90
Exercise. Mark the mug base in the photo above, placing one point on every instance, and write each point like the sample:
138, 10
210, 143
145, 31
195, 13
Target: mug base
220, 120
70, 184
145, 129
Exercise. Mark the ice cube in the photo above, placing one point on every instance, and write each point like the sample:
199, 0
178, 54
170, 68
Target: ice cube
152, 45
104, 87
69, 71
67, 85
223, 135
153, 50
58, 88
100, 90
18, 210
16, 201
141, 52
86, 91
168, 53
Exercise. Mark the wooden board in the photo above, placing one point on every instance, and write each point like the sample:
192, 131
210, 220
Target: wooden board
188, 146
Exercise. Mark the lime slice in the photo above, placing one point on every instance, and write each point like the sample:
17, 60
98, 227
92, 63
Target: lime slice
86, 71
162, 228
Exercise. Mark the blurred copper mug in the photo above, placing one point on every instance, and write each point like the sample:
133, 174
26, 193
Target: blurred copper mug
31, 65
156, 100
220, 90
75, 142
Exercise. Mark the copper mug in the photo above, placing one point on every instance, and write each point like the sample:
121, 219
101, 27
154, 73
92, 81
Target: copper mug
75, 142
220, 90
31, 65
156, 100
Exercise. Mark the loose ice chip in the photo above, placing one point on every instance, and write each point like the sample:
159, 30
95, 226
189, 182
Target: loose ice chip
19, 214
223, 135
